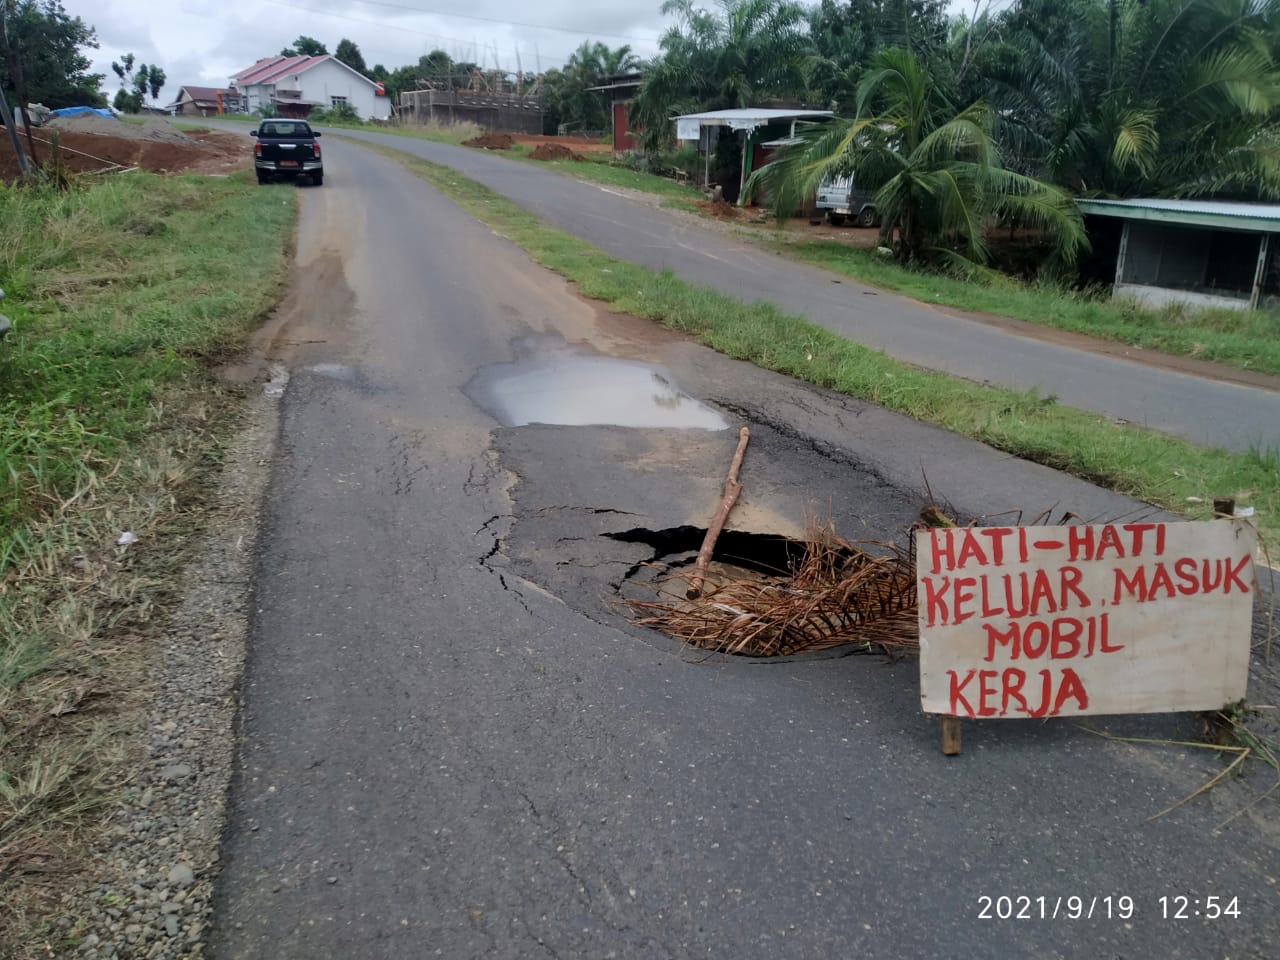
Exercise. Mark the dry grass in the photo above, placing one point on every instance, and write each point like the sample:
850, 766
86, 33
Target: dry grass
443, 132
123, 294
82, 615
836, 594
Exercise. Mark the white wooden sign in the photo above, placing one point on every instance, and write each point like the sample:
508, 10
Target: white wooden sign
1054, 621
688, 129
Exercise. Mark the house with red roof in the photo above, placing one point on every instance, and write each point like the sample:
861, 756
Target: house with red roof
294, 86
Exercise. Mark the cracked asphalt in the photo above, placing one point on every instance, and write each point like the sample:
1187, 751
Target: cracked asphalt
454, 745
1235, 410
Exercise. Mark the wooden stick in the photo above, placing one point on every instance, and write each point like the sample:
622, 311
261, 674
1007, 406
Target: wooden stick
731, 490
951, 736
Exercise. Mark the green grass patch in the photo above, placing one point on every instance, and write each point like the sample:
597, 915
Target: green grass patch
454, 133
598, 168
123, 295
1246, 339
119, 293
594, 167
1150, 466
1249, 339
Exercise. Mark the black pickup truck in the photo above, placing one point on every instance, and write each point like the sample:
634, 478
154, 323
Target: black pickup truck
287, 148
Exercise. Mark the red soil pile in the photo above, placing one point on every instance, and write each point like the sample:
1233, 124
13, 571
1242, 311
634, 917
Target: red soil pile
212, 152
492, 141
553, 151
577, 144
717, 208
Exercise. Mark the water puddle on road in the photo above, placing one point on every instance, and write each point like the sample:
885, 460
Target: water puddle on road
566, 388
335, 371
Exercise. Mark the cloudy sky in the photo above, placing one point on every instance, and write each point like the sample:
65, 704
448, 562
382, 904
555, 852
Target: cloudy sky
203, 43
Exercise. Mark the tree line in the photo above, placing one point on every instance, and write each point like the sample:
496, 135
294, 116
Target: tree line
951, 118
957, 120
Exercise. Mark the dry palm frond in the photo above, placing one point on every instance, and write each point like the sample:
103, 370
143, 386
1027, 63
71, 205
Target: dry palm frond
836, 594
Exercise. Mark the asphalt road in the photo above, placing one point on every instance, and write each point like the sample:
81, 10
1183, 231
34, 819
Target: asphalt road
1208, 413
454, 745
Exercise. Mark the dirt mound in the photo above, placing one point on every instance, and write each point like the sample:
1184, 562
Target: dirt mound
492, 141
717, 208
554, 151
144, 128
215, 152
577, 144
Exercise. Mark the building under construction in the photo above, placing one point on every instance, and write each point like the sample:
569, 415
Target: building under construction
511, 112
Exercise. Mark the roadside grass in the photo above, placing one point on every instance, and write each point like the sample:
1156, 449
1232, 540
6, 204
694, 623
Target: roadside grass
454, 133
123, 294
1164, 470
1249, 339
594, 167
1246, 339
598, 168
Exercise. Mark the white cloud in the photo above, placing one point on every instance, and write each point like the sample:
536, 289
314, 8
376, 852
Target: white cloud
201, 43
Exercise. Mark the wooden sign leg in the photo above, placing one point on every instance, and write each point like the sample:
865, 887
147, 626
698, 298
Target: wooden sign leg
951, 736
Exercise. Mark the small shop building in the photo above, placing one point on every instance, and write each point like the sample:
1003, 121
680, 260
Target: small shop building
763, 130
1202, 253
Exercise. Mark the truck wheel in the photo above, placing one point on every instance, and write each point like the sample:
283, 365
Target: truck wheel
263, 181
837, 219
317, 179
867, 217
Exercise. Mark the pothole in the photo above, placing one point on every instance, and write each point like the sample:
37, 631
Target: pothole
552, 383
334, 371
772, 596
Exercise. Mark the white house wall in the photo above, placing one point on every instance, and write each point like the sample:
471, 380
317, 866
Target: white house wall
1152, 296
330, 79
320, 85
256, 96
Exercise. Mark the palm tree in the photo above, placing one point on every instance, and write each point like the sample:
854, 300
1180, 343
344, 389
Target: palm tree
743, 52
1154, 97
573, 100
937, 173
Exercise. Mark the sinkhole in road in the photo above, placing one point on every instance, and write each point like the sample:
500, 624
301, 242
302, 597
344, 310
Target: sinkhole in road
564, 387
676, 547
767, 596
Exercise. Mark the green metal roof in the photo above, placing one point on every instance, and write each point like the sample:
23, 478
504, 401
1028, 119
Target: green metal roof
1218, 214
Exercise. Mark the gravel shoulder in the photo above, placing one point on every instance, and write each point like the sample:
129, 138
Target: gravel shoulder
149, 890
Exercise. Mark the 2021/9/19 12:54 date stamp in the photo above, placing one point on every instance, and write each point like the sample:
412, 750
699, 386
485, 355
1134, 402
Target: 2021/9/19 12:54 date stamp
1074, 907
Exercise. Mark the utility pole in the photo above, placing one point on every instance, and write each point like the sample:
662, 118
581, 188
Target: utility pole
7, 119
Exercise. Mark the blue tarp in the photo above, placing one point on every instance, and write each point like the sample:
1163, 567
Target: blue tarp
81, 111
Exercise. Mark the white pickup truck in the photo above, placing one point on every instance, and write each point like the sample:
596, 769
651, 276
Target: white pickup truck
838, 197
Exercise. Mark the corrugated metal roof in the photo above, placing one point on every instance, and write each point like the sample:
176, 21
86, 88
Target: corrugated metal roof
209, 94
258, 65
275, 68
1224, 214
620, 81
757, 116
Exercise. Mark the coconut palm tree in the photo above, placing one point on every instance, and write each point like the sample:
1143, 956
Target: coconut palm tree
936, 171
741, 53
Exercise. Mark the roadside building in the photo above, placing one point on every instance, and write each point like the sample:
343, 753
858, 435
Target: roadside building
294, 86
1204, 253
205, 101
763, 130
505, 110
622, 89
